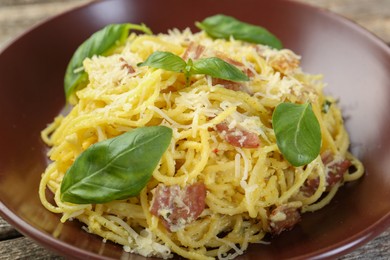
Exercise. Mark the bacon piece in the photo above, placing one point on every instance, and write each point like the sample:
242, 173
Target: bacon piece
310, 186
193, 51
335, 173
283, 218
335, 169
238, 137
235, 86
177, 207
248, 72
224, 57
126, 65
238, 64
285, 61
284, 65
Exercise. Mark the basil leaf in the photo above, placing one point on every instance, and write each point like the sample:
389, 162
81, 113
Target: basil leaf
116, 168
222, 26
214, 67
164, 60
98, 43
298, 133
218, 68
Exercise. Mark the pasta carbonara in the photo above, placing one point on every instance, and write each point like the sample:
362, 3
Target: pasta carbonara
222, 184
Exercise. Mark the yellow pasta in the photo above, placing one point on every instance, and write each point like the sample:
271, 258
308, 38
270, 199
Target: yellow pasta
247, 188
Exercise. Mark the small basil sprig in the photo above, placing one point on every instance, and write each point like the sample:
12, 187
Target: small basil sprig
214, 67
99, 43
116, 168
297, 131
222, 26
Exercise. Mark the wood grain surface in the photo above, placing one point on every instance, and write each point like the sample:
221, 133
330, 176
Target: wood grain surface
16, 16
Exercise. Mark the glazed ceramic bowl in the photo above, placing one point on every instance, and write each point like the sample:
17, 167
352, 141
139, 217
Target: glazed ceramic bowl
356, 66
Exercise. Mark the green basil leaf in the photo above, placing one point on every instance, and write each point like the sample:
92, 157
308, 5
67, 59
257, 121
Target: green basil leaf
164, 60
98, 43
222, 26
218, 68
214, 67
297, 131
116, 168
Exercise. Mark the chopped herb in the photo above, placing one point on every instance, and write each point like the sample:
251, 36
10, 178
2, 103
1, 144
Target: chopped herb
326, 106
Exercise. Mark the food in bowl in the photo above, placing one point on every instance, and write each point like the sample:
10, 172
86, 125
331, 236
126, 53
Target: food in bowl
195, 144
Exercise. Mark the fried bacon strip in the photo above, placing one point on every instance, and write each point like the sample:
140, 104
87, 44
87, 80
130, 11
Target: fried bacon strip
228, 84
282, 218
127, 66
238, 137
194, 51
177, 206
334, 174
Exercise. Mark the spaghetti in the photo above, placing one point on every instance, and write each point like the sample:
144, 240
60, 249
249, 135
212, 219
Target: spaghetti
223, 170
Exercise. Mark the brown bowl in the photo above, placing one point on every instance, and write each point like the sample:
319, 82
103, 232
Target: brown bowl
356, 66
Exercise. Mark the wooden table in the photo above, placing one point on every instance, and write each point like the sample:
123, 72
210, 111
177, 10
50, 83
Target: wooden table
18, 15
